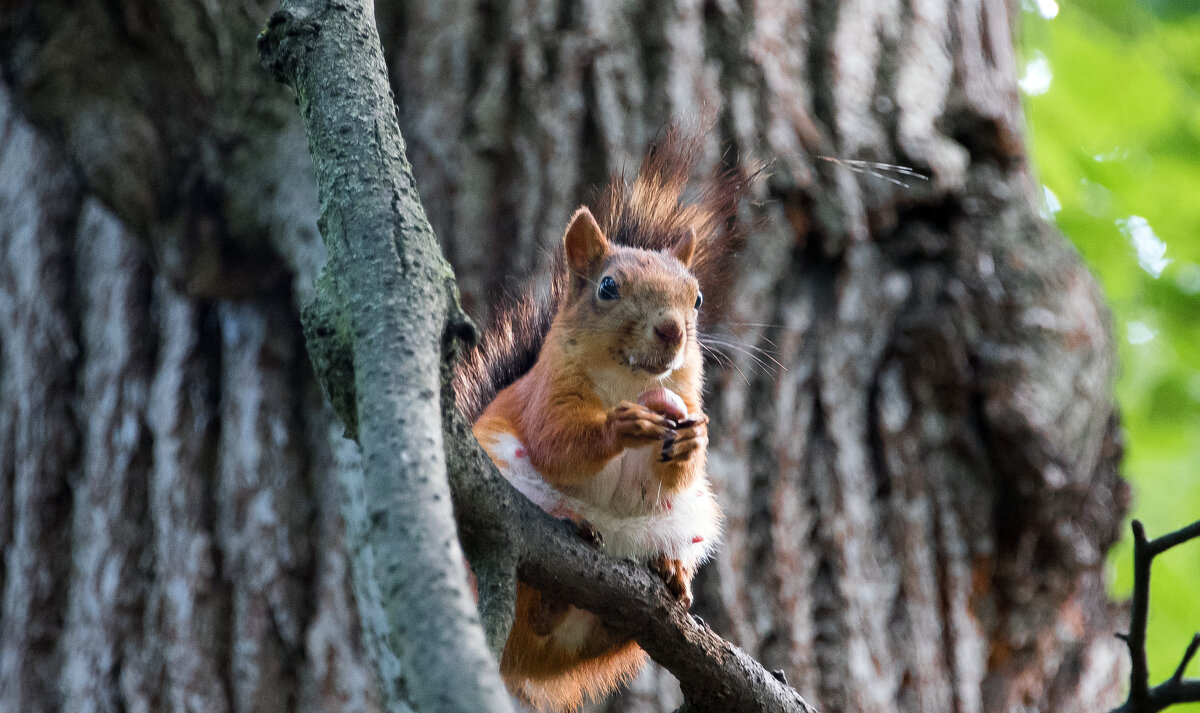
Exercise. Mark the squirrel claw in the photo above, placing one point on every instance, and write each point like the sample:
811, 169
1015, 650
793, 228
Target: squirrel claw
687, 437
676, 577
586, 531
667, 447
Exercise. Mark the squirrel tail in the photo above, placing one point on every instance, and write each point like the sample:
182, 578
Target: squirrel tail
653, 214
509, 346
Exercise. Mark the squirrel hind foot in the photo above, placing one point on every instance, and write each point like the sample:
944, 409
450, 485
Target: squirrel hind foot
676, 576
585, 530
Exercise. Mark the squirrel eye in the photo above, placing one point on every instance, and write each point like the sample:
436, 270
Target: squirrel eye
608, 289
699, 299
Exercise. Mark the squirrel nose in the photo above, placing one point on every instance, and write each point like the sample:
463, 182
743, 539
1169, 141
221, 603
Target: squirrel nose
669, 333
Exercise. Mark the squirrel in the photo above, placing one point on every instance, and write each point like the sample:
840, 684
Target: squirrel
589, 401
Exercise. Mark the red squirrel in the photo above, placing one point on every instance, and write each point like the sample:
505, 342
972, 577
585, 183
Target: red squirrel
597, 413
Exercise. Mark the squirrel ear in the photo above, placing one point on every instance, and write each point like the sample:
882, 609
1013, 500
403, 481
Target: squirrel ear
584, 242
686, 247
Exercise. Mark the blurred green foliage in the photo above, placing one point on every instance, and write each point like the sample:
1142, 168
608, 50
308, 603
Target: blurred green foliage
1112, 93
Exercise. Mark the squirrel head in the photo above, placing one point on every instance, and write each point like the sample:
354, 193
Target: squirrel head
629, 307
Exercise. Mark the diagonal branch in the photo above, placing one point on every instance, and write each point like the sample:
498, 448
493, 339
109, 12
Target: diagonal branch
1177, 677
1176, 689
386, 302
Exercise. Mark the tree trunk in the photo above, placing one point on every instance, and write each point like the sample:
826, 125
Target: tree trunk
918, 500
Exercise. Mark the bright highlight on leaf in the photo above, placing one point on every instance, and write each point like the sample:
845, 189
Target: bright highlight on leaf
1037, 75
1138, 333
1053, 204
1117, 154
1151, 250
1048, 9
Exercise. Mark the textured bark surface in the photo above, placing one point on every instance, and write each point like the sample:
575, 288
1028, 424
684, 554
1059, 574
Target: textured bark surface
388, 287
918, 506
171, 532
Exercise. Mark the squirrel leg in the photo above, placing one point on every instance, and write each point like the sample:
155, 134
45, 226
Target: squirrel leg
677, 575
546, 612
585, 530
600, 641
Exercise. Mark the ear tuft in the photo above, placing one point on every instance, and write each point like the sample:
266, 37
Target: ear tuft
686, 248
584, 242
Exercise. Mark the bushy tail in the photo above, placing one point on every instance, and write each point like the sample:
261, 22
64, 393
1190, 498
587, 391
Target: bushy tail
653, 214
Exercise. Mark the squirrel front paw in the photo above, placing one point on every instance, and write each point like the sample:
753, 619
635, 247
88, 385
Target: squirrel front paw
691, 435
634, 425
677, 577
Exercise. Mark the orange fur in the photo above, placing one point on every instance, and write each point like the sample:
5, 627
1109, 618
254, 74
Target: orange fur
565, 374
652, 215
568, 414
551, 678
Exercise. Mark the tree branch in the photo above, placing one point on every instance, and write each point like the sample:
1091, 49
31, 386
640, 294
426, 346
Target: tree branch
383, 333
384, 307
1176, 689
487, 537
715, 676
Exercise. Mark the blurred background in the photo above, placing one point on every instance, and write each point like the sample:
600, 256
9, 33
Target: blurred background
1112, 94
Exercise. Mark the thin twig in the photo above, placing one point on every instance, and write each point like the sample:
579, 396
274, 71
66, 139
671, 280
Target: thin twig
1166, 542
1139, 616
877, 169
1187, 658
1176, 689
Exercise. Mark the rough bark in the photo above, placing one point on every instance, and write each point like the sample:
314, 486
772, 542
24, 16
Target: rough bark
172, 538
39, 343
387, 280
918, 505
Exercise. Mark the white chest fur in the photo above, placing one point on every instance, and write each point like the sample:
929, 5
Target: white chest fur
624, 503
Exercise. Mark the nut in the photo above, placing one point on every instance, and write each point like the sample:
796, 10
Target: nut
664, 401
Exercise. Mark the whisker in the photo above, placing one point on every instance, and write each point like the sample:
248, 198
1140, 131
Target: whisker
757, 362
752, 351
717, 357
757, 324
713, 340
719, 337
722, 359
760, 333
